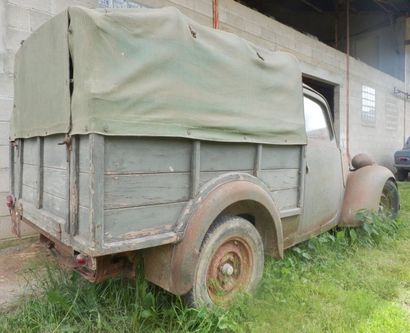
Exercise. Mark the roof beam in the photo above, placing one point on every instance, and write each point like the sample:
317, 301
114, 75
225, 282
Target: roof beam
311, 5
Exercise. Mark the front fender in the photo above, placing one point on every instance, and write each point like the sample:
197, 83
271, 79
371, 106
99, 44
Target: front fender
363, 191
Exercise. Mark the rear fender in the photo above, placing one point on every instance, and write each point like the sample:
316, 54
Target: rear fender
173, 266
363, 191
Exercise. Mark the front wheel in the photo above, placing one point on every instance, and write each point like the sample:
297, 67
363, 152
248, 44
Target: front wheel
231, 260
390, 200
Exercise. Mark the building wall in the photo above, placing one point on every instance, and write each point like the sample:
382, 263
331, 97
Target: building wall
319, 60
18, 18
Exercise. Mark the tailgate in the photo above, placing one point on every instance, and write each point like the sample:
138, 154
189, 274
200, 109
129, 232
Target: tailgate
40, 182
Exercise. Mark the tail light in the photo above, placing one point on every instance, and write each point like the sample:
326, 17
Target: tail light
80, 260
10, 201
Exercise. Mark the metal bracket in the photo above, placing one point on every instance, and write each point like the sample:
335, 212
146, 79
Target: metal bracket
400, 93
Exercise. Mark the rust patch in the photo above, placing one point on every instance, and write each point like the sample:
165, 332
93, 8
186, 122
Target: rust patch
229, 270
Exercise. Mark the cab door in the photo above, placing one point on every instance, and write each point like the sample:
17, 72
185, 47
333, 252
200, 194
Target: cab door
323, 191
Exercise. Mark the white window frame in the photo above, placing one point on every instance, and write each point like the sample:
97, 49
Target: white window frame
368, 109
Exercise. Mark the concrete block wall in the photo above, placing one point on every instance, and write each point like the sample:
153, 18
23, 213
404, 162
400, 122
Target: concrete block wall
18, 18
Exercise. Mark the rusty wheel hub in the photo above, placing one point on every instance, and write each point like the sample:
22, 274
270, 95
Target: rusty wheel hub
229, 270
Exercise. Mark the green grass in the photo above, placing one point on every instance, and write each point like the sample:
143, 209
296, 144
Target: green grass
342, 281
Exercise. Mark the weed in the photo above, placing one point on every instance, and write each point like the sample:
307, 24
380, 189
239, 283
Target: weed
346, 280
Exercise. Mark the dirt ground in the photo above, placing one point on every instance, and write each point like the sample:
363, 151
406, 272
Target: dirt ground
13, 262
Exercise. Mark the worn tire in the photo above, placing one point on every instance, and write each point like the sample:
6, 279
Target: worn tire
231, 260
402, 175
390, 199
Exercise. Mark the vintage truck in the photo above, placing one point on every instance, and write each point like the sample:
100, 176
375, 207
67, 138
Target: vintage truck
140, 135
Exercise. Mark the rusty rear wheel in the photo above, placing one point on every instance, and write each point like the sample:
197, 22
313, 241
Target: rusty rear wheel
231, 261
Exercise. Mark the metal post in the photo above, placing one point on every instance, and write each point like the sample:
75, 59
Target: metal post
215, 14
347, 78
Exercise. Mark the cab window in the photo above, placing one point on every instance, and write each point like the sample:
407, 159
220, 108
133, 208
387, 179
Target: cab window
316, 120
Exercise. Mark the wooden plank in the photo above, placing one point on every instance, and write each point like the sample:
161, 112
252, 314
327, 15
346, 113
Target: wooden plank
146, 155
84, 155
67, 187
28, 194
43, 219
285, 199
258, 160
29, 175
208, 175
31, 151
19, 171
128, 223
145, 189
12, 167
55, 155
84, 189
96, 188
280, 179
195, 167
39, 173
280, 157
302, 175
55, 205
74, 186
51, 203
83, 224
55, 182
217, 156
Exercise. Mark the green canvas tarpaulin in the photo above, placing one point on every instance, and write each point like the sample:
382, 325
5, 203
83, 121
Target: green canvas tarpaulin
153, 72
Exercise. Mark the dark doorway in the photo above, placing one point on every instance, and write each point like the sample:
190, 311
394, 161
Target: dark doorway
324, 88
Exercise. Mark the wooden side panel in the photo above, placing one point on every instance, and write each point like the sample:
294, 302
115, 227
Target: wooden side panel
44, 179
280, 179
132, 190
30, 152
83, 224
285, 199
55, 153
28, 193
84, 190
29, 175
146, 155
55, 181
147, 182
128, 223
84, 155
280, 157
96, 186
52, 204
280, 172
208, 175
82, 231
216, 156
